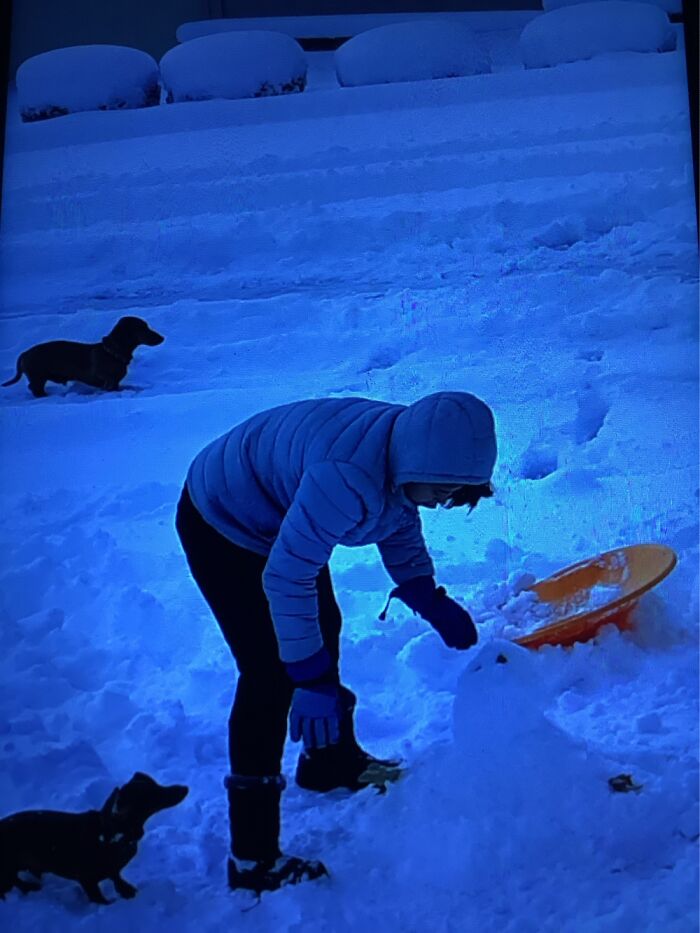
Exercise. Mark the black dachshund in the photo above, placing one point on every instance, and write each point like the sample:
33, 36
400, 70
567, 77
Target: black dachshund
88, 847
102, 364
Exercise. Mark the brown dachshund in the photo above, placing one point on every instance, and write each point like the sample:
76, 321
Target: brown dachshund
88, 847
102, 364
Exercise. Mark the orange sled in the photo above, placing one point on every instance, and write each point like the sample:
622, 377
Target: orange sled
634, 570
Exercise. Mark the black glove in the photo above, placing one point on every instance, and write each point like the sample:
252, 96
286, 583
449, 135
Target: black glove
452, 623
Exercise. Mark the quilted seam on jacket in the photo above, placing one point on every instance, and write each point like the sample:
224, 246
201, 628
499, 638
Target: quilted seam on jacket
295, 481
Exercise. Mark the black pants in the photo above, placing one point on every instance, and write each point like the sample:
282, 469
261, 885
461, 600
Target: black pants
230, 578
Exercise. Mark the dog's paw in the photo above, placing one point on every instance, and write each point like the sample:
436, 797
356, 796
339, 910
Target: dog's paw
92, 889
125, 889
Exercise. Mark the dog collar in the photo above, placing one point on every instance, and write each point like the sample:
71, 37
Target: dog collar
114, 352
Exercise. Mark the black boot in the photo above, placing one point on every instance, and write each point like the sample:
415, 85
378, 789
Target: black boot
257, 864
345, 764
270, 876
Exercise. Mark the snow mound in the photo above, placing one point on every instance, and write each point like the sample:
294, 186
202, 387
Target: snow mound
233, 65
498, 693
582, 31
501, 729
86, 77
410, 52
671, 6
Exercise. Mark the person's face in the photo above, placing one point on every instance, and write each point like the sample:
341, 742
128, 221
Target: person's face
430, 495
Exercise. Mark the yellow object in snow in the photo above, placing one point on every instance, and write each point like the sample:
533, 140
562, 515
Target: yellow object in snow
599, 591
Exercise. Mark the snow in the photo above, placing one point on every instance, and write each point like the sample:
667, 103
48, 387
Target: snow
585, 30
86, 77
528, 236
510, 608
671, 6
412, 51
349, 24
524, 612
231, 65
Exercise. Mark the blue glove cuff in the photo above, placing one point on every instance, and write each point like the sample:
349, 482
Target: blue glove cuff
311, 668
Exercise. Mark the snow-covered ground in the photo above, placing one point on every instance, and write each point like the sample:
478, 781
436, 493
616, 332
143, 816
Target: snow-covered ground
528, 236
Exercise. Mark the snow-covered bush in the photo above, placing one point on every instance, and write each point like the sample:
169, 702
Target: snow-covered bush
232, 65
671, 6
584, 30
86, 77
414, 51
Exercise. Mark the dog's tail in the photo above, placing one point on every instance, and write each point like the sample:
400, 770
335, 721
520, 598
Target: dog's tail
17, 376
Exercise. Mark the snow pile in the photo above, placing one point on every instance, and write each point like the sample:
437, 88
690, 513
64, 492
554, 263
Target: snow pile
413, 51
512, 796
511, 608
86, 77
234, 65
504, 610
500, 717
582, 31
526, 612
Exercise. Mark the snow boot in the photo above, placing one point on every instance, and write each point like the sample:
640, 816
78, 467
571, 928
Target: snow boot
257, 877
346, 764
326, 769
256, 863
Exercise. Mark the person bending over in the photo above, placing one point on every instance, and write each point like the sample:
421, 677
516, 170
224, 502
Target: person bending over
261, 511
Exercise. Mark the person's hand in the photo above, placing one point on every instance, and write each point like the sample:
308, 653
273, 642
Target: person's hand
452, 623
315, 715
317, 705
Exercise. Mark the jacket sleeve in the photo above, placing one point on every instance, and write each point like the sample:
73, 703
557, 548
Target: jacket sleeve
404, 553
332, 498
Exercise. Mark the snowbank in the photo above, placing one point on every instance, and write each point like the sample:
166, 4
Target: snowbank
415, 51
234, 65
582, 31
86, 77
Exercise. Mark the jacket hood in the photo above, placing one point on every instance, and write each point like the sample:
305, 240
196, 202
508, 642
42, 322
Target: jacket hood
447, 437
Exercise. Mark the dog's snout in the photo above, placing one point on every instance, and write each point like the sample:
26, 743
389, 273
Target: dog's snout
170, 795
179, 792
153, 338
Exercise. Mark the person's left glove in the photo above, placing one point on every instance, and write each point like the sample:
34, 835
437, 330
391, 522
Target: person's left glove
317, 701
315, 715
452, 623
